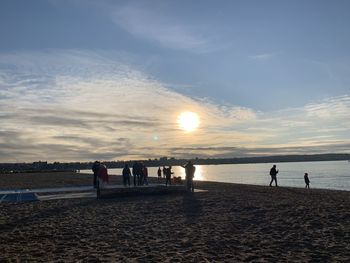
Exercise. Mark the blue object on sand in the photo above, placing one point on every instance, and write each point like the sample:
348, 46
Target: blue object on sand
18, 197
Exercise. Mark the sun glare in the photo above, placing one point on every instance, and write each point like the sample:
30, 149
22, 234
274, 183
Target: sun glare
188, 121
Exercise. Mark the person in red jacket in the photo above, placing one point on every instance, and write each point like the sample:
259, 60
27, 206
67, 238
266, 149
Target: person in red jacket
103, 175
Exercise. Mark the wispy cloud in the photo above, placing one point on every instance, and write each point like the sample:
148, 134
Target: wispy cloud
79, 105
142, 21
264, 56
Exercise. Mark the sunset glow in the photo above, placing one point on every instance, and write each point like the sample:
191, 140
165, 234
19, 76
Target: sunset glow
188, 121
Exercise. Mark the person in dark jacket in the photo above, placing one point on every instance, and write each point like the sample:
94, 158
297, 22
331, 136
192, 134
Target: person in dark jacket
135, 173
141, 174
164, 171
159, 173
273, 173
307, 181
95, 169
126, 175
145, 174
189, 171
168, 173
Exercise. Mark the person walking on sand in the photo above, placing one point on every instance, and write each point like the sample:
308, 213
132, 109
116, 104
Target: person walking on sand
307, 181
273, 173
95, 168
189, 171
126, 175
159, 173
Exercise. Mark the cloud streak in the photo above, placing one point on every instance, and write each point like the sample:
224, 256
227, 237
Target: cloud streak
264, 56
143, 22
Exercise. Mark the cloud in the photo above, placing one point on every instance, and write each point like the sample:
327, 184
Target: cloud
264, 56
79, 105
156, 26
330, 108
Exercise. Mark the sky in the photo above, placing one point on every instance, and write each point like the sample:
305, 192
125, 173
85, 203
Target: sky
107, 80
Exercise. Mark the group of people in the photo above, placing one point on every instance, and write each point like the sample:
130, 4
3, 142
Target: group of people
189, 175
274, 172
140, 174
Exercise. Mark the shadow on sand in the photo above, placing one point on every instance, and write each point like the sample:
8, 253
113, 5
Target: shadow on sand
192, 207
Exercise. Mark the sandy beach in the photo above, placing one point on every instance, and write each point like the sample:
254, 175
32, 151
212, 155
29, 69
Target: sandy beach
227, 223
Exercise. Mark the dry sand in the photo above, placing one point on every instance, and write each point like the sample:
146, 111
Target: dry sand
229, 223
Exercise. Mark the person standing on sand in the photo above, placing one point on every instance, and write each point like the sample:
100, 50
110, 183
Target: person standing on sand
189, 170
135, 173
103, 176
145, 174
95, 168
307, 181
164, 171
159, 173
141, 174
126, 175
168, 173
273, 173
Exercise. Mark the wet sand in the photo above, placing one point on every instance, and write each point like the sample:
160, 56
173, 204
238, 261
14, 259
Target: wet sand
228, 223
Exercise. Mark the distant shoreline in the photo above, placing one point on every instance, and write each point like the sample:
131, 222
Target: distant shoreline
164, 161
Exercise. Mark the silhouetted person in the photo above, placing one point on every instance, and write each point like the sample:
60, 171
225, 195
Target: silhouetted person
307, 181
141, 174
135, 173
189, 171
95, 168
168, 173
126, 175
164, 172
145, 175
159, 173
103, 175
273, 173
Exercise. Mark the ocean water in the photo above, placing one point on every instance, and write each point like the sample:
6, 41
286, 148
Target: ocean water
326, 175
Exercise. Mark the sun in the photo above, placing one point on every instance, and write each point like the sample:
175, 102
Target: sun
188, 121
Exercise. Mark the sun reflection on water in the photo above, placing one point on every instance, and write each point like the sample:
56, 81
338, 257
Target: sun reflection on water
198, 175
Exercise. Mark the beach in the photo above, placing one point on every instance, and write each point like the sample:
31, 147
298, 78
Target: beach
226, 223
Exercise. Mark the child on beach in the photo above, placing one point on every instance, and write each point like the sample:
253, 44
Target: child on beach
307, 181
